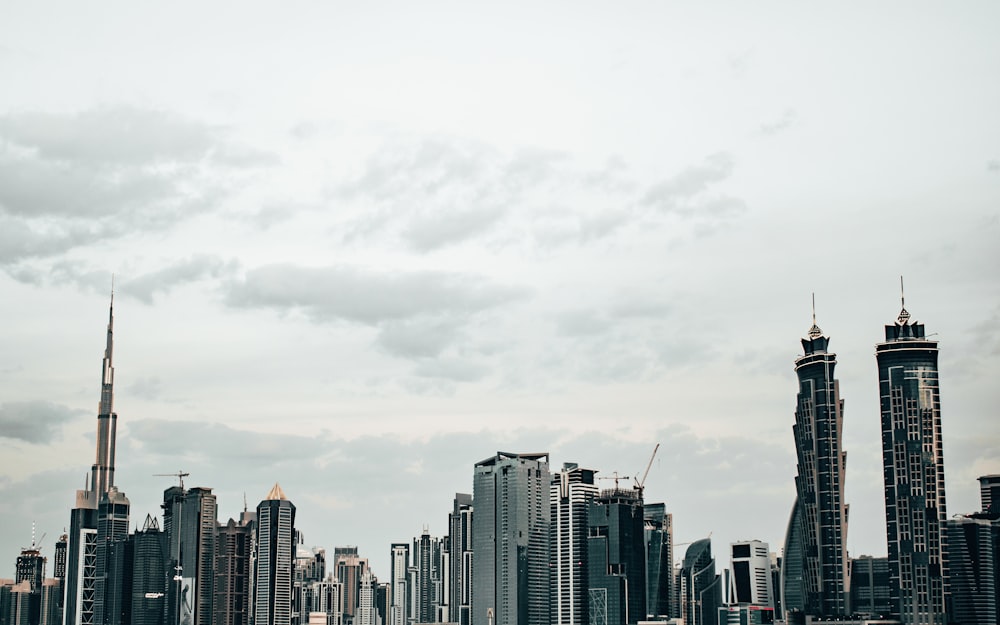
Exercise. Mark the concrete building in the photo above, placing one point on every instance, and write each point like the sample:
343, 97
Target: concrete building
274, 562
616, 559
750, 582
913, 461
570, 496
510, 534
460, 559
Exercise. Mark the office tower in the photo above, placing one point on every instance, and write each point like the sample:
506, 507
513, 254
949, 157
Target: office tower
818, 528
701, 590
989, 492
972, 568
198, 531
31, 571
367, 613
775, 564
349, 567
275, 540
914, 472
382, 601
324, 602
510, 532
234, 547
23, 605
112, 533
658, 534
427, 581
460, 560
751, 574
616, 557
399, 596
150, 574
59, 569
51, 611
870, 586
81, 554
570, 495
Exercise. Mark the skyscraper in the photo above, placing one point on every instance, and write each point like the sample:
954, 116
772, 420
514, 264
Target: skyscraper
349, 567
234, 546
510, 532
399, 586
973, 569
426, 588
616, 557
198, 533
81, 554
914, 472
272, 603
816, 545
751, 573
460, 559
659, 536
151, 574
112, 534
572, 491
701, 590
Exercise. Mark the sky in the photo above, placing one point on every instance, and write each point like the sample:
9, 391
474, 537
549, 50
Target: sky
358, 249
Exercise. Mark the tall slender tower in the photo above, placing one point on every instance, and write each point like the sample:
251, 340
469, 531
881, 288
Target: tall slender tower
570, 496
272, 602
460, 555
81, 569
819, 585
914, 471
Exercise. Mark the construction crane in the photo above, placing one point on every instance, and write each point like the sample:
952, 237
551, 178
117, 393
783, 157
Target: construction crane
180, 475
614, 476
640, 483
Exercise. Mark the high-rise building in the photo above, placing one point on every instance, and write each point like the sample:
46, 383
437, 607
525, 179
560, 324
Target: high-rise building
972, 561
700, 588
399, 585
914, 472
659, 532
81, 554
234, 547
570, 496
30, 571
989, 492
460, 559
820, 580
151, 574
112, 534
870, 587
198, 532
348, 568
751, 573
275, 540
510, 533
367, 613
51, 611
427, 579
616, 557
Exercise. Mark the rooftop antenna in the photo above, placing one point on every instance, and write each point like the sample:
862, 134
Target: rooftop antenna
814, 331
244, 501
904, 316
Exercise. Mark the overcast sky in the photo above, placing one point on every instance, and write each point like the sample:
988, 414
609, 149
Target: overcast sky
359, 249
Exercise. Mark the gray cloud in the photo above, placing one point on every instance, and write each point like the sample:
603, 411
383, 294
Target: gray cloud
993, 166
421, 337
71, 180
145, 286
219, 443
774, 127
35, 422
429, 232
352, 294
674, 195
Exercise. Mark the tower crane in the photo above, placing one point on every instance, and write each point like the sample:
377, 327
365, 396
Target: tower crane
640, 483
180, 475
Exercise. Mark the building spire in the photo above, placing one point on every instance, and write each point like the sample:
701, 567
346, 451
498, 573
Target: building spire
103, 471
814, 331
904, 316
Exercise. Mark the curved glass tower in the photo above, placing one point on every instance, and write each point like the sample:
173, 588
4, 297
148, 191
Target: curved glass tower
816, 545
914, 471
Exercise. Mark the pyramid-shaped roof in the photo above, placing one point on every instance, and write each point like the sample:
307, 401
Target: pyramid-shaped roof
276, 493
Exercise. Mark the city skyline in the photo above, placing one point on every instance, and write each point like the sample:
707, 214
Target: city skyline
369, 262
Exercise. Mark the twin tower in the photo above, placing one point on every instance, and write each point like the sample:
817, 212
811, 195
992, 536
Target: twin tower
816, 569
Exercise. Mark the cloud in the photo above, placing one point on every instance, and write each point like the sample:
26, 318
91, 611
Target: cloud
364, 296
214, 442
192, 269
429, 232
422, 337
35, 422
774, 127
993, 166
71, 180
676, 194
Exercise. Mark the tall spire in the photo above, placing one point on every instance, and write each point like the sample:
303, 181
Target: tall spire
814, 331
904, 316
103, 472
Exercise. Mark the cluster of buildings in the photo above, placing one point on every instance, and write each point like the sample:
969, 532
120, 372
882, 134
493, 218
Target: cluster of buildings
535, 544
